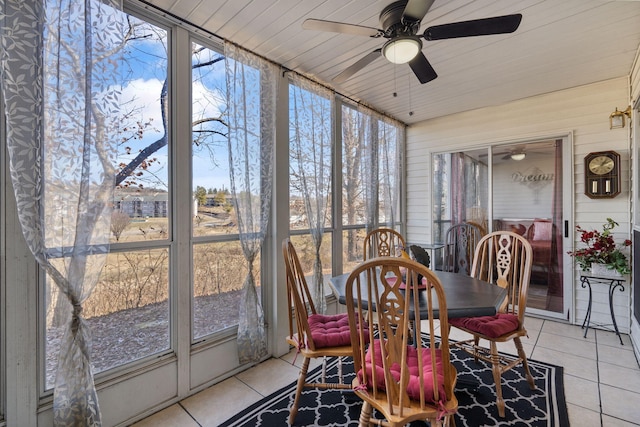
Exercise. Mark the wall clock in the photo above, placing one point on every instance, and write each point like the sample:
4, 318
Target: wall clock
602, 174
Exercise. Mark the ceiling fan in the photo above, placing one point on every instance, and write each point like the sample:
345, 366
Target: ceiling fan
401, 22
517, 154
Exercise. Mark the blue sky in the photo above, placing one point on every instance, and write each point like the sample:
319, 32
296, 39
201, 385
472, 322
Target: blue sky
143, 76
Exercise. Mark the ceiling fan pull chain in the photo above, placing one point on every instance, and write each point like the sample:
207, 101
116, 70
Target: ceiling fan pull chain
410, 108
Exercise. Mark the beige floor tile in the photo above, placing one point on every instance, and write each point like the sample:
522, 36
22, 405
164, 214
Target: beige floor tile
614, 422
533, 324
567, 330
290, 357
618, 355
621, 377
577, 366
269, 376
581, 392
582, 417
610, 338
296, 359
230, 396
620, 404
578, 346
173, 416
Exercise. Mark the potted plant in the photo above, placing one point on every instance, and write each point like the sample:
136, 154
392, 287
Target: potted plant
601, 250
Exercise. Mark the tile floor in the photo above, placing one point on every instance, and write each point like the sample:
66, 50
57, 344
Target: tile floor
602, 380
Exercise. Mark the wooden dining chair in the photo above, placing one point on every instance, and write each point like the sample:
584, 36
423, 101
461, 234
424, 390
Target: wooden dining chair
383, 242
314, 335
460, 242
402, 381
503, 258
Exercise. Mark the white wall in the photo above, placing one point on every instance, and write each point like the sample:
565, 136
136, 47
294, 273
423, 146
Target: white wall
582, 112
508, 202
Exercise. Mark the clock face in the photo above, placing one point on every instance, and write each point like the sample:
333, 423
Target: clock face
601, 165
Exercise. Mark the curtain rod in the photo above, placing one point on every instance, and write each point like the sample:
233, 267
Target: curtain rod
355, 101
199, 30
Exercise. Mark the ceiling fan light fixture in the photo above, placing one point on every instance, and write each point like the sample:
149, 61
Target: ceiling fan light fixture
518, 156
401, 49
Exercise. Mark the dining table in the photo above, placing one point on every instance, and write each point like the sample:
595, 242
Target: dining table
466, 296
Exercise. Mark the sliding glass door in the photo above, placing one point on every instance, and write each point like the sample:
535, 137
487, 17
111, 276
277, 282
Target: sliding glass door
515, 187
527, 199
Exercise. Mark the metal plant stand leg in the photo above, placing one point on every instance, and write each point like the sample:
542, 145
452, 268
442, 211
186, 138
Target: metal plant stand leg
587, 318
613, 283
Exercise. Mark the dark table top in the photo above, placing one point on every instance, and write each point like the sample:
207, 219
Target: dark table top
466, 296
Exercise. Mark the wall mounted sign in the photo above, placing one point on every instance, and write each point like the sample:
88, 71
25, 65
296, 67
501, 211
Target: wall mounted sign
533, 178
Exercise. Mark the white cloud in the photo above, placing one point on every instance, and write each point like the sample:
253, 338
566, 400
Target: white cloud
206, 102
143, 96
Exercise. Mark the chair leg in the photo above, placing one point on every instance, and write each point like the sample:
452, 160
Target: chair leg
323, 377
365, 414
476, 342
495, 365
302, 378
525, 365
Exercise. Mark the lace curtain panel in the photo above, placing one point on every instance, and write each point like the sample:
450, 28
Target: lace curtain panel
310, 162
251, 97
368, 166
62, 113
383, 146
391, 149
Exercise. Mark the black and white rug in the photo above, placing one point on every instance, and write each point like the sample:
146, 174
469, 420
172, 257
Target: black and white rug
544, 406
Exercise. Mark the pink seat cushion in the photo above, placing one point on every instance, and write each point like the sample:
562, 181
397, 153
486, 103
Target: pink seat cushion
403, 285
413, 387
329, 330
490, 326
542, 230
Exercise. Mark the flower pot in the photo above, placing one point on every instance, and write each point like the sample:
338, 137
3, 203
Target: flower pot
603, 270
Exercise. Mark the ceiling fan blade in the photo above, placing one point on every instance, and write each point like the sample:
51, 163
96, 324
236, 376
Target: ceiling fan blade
477, 27
422, 68
357, 66
415, 10
340, 27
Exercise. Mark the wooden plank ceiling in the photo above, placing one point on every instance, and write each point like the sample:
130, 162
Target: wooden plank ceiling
559, 44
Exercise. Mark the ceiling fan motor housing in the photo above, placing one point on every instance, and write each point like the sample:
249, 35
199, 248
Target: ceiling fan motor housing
393, 24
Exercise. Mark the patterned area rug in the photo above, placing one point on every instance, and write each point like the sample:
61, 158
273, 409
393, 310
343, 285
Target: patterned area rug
544, 406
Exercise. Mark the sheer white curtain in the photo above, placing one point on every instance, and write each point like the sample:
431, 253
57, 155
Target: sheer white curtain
62, 110
391, 157
311, 147
252, 91
383, 143
368, 135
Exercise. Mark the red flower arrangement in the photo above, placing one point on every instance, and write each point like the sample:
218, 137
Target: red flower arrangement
601, 248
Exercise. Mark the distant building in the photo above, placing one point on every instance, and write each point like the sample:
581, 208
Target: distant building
153, 204
212, 199
142, 204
